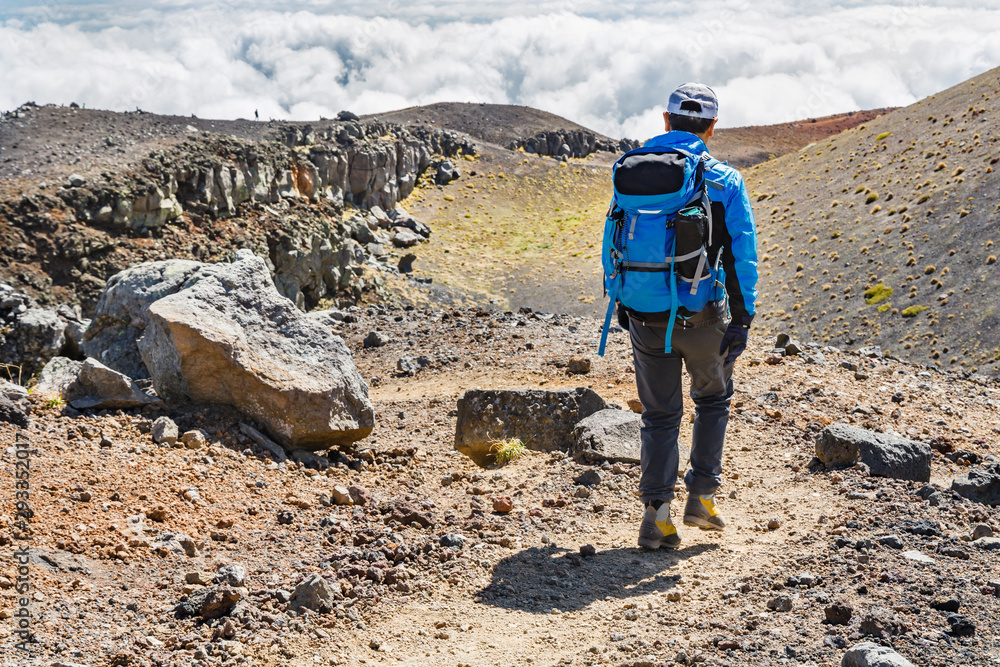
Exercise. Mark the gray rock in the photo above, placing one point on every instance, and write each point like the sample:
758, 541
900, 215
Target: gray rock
589, 477
165, 431
891, 541
406, 263
375, 339
270, 446
405, 238
316, 593
814, 357
57, 377
980, 485
230, 338
609, 435
122, 316
175, 543
987, 543
886, 455
210, 602
872, 352
780, 603
869, 654
11, 414
452, 540
30, 340
542, 420
14, 404
231, 575
99, 387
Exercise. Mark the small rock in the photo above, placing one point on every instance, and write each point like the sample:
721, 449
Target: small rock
917, 557
316, 593
987, 543
774, 524
503, 504
590, 477
375, 339
579, 365
588, 551
406, 263
342, 495
946, 603
780, 603
961, 626
165, 431
285, 517
198, 578
839, 612
891, 541
194, 439
210, 602
231, 575
359, 494
881, 622
981, 530
452, 540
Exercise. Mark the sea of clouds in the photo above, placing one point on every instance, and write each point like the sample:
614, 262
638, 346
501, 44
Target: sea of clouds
607, 68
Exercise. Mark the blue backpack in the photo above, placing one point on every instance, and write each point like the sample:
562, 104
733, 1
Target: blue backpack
657, 235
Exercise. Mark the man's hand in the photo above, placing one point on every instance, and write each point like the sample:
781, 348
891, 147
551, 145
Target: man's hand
734, 341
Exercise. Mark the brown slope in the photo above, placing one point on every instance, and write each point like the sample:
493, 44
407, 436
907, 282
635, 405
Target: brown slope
744, 147
908, 201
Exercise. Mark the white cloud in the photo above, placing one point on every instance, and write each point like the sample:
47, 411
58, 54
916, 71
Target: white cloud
610, 69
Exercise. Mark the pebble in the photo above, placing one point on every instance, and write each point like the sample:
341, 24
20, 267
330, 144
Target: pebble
981, 530
579, 365
891, 541
774, 524
503, 504
194, 439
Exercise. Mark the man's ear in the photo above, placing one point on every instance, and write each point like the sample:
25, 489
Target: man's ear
666, 120
711, 128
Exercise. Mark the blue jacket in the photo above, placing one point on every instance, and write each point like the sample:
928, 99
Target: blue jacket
738, 236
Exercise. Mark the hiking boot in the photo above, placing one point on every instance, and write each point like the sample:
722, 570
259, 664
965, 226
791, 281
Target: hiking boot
656, 529
700, 511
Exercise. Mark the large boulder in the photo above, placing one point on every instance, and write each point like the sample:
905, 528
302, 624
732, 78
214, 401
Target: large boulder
230, 338
121, 315
981, 485
609, 435
885, 454
542, 420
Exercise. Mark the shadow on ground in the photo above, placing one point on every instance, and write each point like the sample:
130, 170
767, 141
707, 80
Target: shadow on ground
538, 580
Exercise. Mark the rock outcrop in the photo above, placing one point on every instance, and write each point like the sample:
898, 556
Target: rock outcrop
230, 338
543, 420
570, 143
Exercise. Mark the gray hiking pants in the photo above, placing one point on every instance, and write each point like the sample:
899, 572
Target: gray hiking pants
658, 379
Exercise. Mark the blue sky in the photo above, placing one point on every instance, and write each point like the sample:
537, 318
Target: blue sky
606, 65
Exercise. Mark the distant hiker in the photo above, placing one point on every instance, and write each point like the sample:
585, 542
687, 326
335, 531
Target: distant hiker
680, 238
256, 116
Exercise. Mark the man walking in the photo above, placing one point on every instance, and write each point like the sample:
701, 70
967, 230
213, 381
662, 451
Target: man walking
702, 340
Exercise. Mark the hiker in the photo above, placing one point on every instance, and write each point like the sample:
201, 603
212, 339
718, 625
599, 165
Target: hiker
680, 260
256, 115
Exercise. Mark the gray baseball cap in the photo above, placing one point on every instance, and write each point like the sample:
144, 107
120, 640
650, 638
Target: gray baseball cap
694, 99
